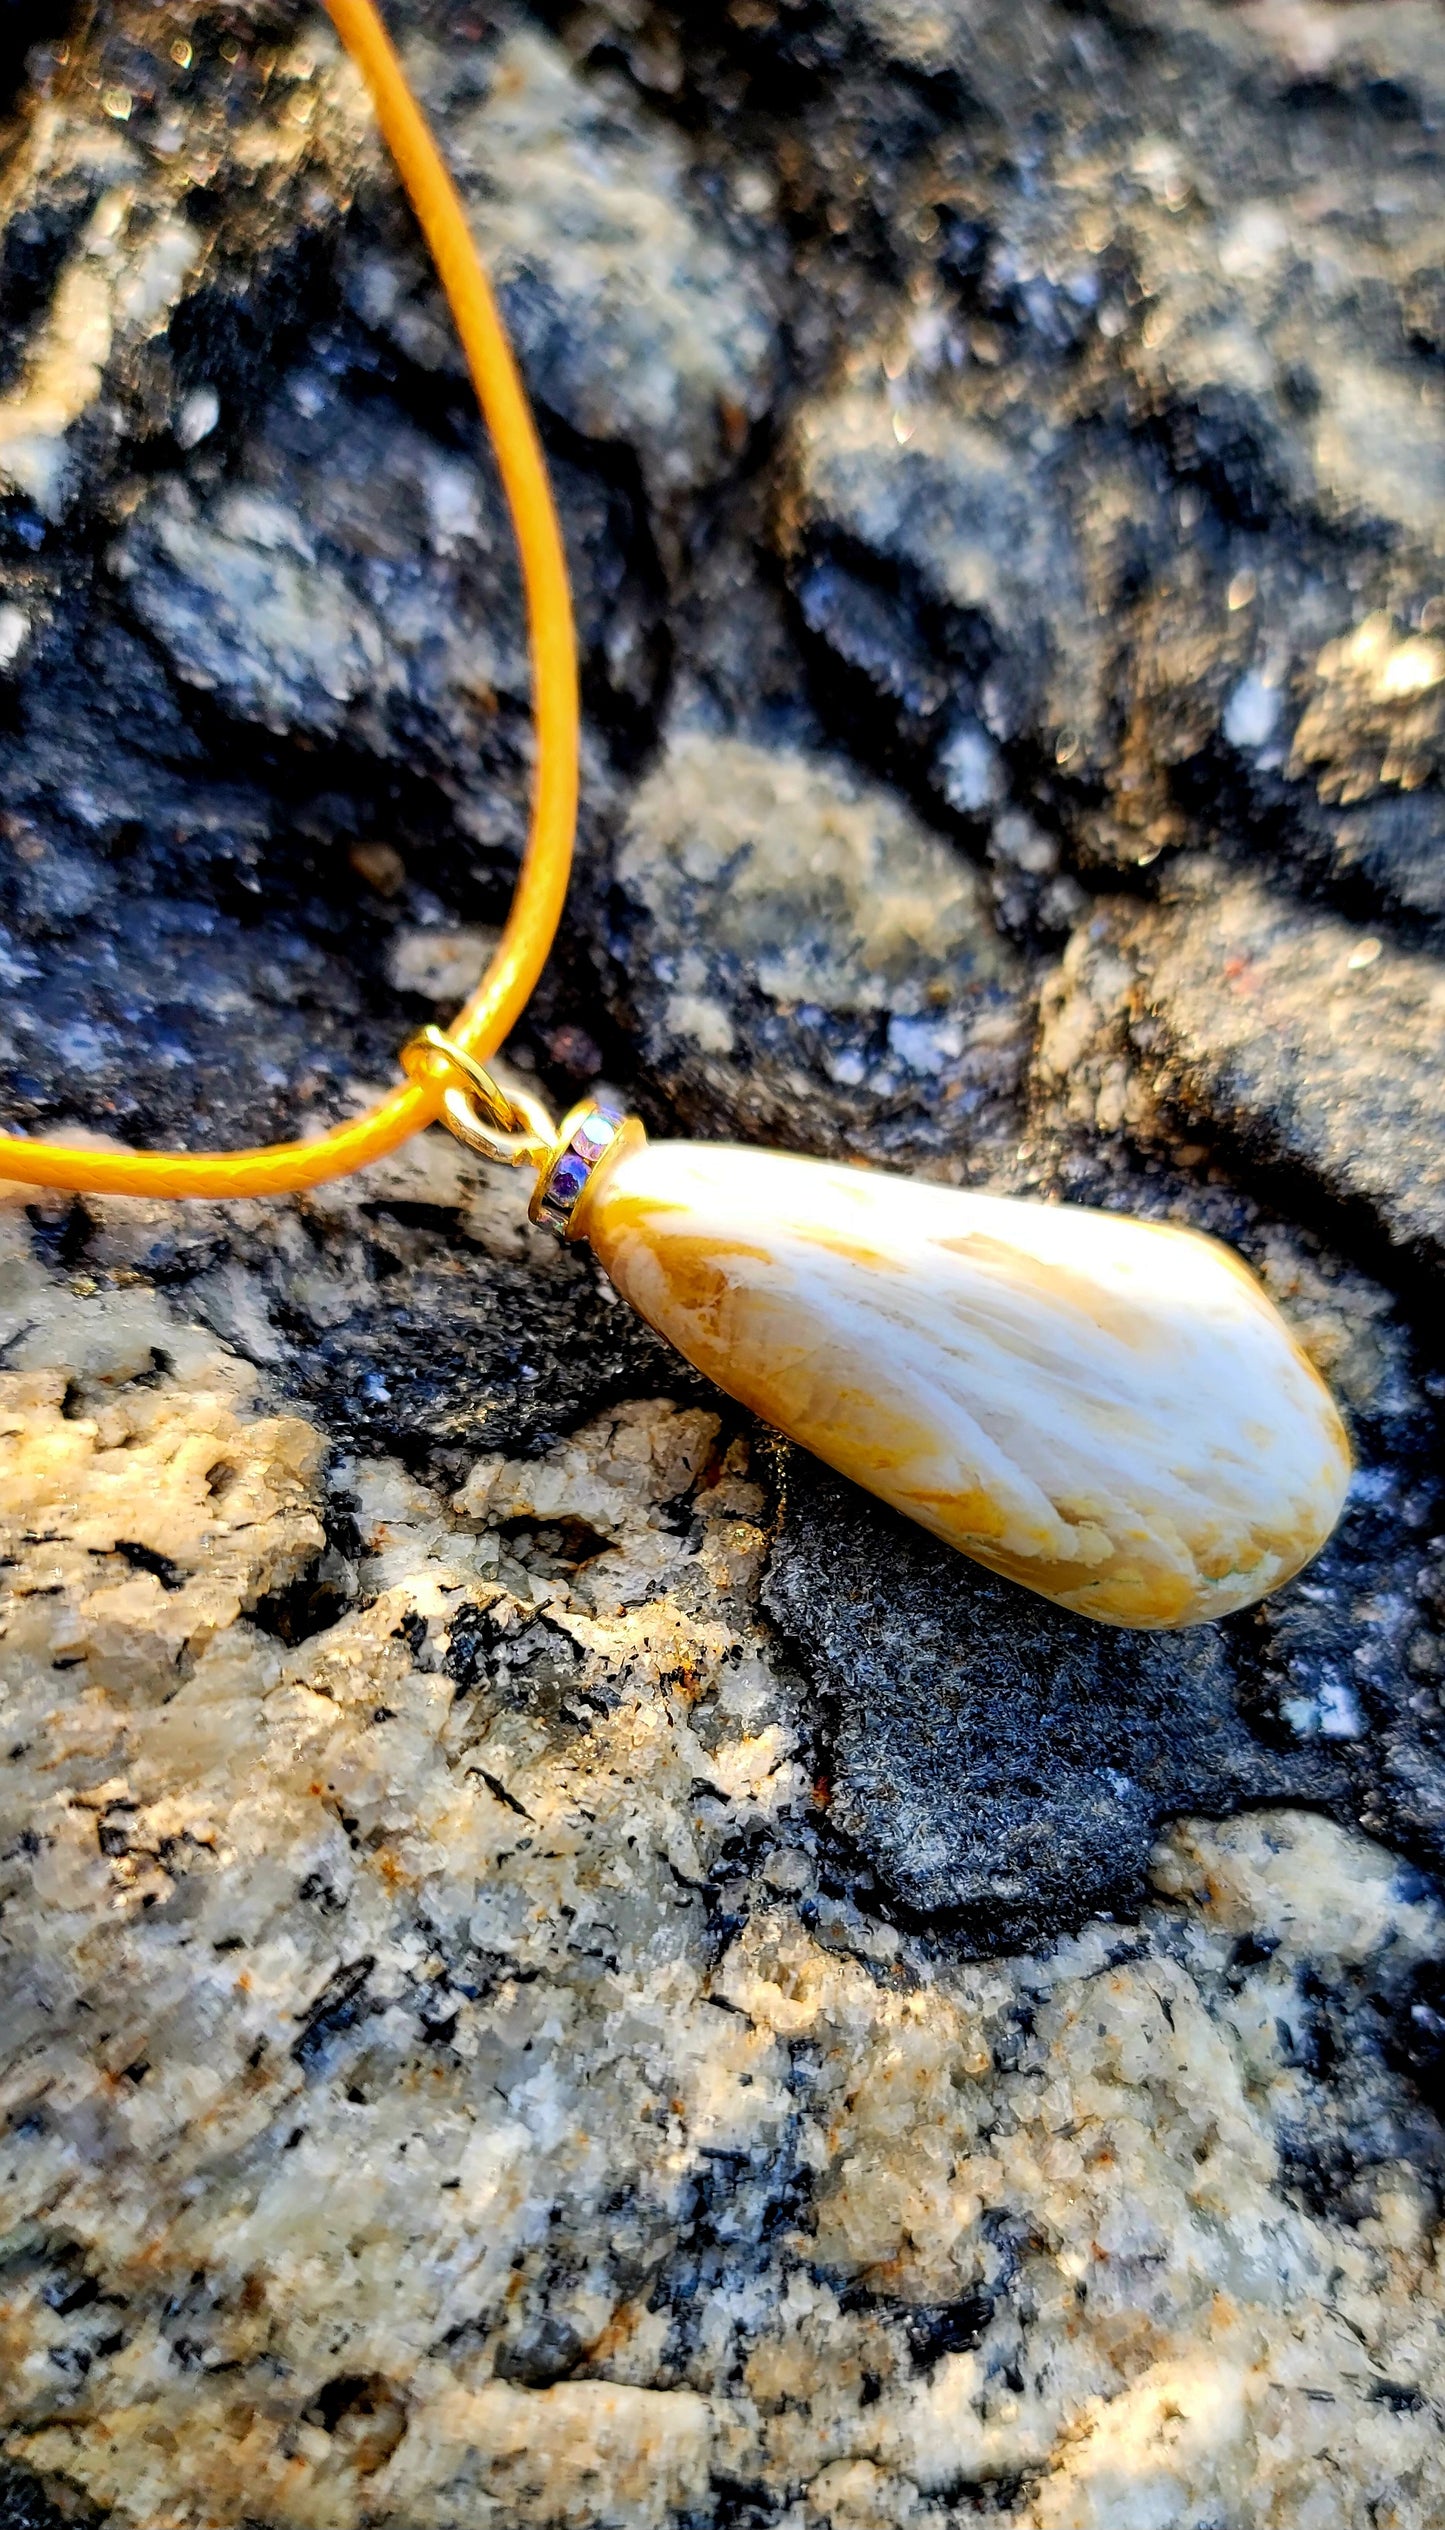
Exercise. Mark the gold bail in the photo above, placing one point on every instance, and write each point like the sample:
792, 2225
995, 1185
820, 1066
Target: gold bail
518, 1131
515, 1130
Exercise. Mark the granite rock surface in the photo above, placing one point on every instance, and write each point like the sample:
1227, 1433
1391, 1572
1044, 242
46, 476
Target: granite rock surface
559, 1967
842, 975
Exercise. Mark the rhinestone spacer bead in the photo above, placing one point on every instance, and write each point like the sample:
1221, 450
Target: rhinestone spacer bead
593, 1131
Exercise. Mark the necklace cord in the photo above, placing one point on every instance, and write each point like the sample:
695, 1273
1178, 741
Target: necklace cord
484, 1022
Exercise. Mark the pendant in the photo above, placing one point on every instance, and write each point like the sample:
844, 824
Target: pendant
1110, 1411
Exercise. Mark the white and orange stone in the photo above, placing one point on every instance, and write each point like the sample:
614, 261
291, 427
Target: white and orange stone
1109, 1411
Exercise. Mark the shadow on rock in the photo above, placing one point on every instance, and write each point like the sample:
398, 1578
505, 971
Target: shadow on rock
1001, 1764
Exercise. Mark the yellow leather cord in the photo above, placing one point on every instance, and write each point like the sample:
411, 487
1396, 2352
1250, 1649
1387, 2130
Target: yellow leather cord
502, 995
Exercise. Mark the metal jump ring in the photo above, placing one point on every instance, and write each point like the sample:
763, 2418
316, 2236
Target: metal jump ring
515, 1131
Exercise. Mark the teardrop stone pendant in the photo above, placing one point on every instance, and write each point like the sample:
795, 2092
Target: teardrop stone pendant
1109, 1411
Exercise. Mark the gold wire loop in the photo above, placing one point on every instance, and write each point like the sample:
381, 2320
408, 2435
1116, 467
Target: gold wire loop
514, 1130
431, 1055
529, 1147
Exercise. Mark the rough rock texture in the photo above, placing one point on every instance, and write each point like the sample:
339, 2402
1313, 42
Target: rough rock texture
643, 324
1317, 1049
559, 1967
842, 981
448, 2077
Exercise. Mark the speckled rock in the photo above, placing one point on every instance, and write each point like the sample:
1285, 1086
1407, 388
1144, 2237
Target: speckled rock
962, 496
802, 955
445, 2080
642, 323
285, 594
1163, 354
163, 214
1311, 1045
559, 1968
